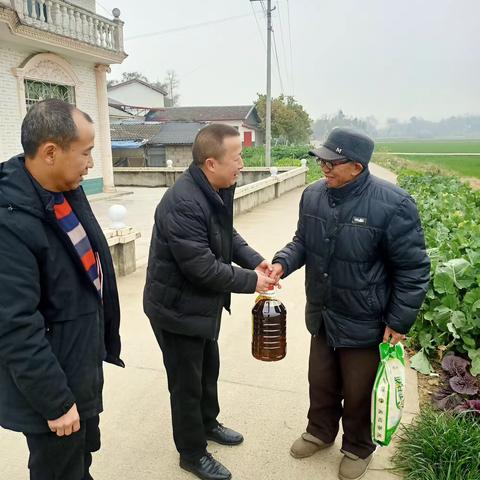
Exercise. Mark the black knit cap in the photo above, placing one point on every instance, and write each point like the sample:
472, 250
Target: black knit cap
344, 142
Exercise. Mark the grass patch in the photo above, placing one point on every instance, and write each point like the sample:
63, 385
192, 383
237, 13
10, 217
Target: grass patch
439, 446
429, 146
464, 165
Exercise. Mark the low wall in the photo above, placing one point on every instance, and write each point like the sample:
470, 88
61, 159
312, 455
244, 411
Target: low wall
254, 194
166, 177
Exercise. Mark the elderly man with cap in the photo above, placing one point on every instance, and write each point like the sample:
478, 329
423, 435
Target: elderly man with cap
367, 274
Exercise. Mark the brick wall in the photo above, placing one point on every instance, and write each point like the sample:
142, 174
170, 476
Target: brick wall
181, 155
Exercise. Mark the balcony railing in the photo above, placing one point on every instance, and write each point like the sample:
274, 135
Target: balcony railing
62, 18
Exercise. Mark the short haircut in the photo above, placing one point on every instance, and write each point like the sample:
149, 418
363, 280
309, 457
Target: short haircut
209, 142
49, 121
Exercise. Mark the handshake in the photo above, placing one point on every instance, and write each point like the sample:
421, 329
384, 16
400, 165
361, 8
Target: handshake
268, 274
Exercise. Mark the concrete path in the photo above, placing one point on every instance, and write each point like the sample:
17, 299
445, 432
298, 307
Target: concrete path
267, 402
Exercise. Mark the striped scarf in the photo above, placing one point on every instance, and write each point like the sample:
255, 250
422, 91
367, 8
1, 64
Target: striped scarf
70, 224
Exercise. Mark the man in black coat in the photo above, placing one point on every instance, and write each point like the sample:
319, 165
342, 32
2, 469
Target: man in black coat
59, 309
367, 273
190, 277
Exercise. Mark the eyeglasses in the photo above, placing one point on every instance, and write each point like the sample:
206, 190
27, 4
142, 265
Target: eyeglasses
330, 165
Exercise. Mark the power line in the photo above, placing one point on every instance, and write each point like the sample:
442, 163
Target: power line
291, 49
258, 25
188, 27
278, 63
104, 8
283, 41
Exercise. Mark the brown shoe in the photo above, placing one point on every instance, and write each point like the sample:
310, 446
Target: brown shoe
353, 467
306, 445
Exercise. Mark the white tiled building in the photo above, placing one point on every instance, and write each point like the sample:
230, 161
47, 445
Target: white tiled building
51, 48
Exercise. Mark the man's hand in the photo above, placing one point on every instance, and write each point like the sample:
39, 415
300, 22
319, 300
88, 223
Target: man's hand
396, 337
66, 424
277, 272
263, 282
264, 267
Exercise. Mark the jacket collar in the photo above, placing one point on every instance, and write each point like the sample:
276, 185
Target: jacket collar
221, 200
18, 189
350, 189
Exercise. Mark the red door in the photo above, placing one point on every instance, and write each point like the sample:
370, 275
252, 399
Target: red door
247, 139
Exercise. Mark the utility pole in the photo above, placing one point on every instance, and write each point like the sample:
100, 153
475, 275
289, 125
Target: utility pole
268, 113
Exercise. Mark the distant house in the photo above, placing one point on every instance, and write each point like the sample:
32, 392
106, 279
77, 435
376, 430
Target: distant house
137, 96
243, 117
142, 144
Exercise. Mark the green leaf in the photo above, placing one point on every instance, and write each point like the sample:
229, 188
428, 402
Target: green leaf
420, 363
443, 282
476, 306
458, 319
474, 355
469, 341
472, 296
451, 301
474, 257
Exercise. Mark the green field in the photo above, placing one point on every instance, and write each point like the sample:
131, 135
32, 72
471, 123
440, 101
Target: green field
463, 165
429, 146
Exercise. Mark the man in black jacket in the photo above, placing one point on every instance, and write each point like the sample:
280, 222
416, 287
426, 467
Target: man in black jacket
367, 273
59, 309
189, 282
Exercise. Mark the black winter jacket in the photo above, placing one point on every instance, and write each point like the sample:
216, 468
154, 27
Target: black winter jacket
189, 274
54, 330
366, 263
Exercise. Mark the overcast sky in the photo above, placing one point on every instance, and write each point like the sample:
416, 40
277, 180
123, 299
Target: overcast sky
367, 57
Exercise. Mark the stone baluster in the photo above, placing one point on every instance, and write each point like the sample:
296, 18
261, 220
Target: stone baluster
49, 16
43, 14
118, 33
35, 14
26, 12
85, 35
103, 35
110, 37
57, 17
96, 32
91, 31
78, 25
65, 20
71, 22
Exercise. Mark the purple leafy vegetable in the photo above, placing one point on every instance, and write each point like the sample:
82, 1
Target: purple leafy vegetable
465, 384
454, 365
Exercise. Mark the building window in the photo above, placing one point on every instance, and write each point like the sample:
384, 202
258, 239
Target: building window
37, 91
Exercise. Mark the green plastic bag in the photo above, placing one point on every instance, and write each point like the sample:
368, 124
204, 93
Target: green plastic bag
388, 395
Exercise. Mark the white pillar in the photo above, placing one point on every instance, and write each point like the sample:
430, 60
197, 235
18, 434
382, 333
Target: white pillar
104, 143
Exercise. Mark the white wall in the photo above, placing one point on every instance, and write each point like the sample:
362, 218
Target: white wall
12, 56
137, 95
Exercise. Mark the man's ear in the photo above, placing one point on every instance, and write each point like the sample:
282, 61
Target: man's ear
357, 169
46, 152
210, 164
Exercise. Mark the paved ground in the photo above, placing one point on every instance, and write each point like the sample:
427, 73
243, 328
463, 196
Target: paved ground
266, 401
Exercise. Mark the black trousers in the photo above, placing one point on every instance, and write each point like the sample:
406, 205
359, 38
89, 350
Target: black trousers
192, 365
340, 374
63, 458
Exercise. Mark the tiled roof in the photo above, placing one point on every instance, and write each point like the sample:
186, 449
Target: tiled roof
133, 130
199, 114
176, 133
